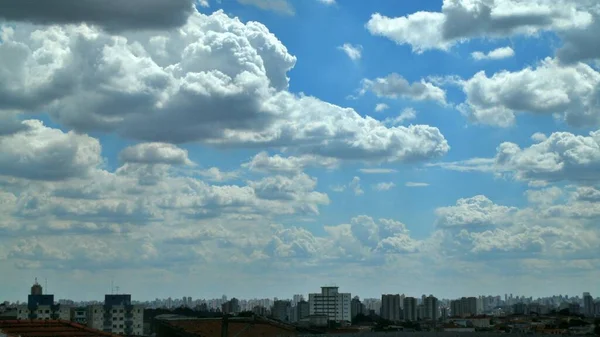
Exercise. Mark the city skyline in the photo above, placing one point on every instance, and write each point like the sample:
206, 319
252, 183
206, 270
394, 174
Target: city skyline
262, 148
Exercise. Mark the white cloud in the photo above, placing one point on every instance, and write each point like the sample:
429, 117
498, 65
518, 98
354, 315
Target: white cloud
406, 115
215, 174
496, 54
215, 80
562, 156
381, 107
327, 2
38, 152
460, 20
549, 88
395, 86
354, 185
538, 137
155, 153
277, 164
354, 52
384, 186
377, 171
414, 184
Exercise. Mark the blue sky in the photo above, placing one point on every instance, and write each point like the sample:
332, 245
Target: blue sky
432, 140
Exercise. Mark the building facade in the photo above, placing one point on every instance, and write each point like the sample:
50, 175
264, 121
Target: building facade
431, 308
332, 303
410, 309
390, 307
463, 307
42, 307
117, 316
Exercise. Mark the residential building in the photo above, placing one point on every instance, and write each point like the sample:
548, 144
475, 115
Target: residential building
42, 307
332, 303
79, 315
281, 310
231, 307
588, 305
464, 307
431, 308
302, 309
357, 307
410, 309
390, 307
117, 316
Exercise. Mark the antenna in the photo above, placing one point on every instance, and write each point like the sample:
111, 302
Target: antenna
117, 289
112, 286
46, 284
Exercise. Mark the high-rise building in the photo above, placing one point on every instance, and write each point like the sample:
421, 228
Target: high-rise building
332, 303
117, 316
302, 309
588, 305
463, 307
431, 308
357, 307
410, 309
281, 310
390, 307
42, 307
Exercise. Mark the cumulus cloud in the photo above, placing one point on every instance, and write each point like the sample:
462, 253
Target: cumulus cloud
384, 186
415, 184
155, 153
34, 151
110, 14
395, 86
377, 170
381, 107
496, 54
354, 185
215, 80
550, 88
354, 52
460, 20
473, 212
278, 164
406, 115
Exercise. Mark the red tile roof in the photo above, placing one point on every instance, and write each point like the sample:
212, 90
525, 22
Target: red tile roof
59, 328
240, 328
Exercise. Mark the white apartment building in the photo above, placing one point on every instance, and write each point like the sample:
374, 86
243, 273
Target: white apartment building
44, 312
117, 316
332, 303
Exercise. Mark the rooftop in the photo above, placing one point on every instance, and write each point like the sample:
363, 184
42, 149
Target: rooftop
236, 327
28, 328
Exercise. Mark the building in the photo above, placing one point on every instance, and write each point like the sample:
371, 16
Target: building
357, 307
588, 305
302, 310
332, 303
79, 315
464, 307
410, 309
431, 308
232, 326
117, 316
281, 310
390, 307
231, 307
42, 307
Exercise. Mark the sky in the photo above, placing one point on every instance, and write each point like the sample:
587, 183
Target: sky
262, 148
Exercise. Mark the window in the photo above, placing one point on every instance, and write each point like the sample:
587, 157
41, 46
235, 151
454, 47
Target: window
114, 311
114, 326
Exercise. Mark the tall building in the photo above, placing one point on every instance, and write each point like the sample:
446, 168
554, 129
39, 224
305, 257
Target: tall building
302, 309
357, 307
410, 309
588, 305
332, 303
464, 307
431, 308
281, 310
42, 307
117, 316
390, 307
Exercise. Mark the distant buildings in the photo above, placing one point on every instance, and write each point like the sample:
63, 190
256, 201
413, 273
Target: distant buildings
231, 307
431, 308
332, 303
410, 309
357, 307
282, 310
390, 307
